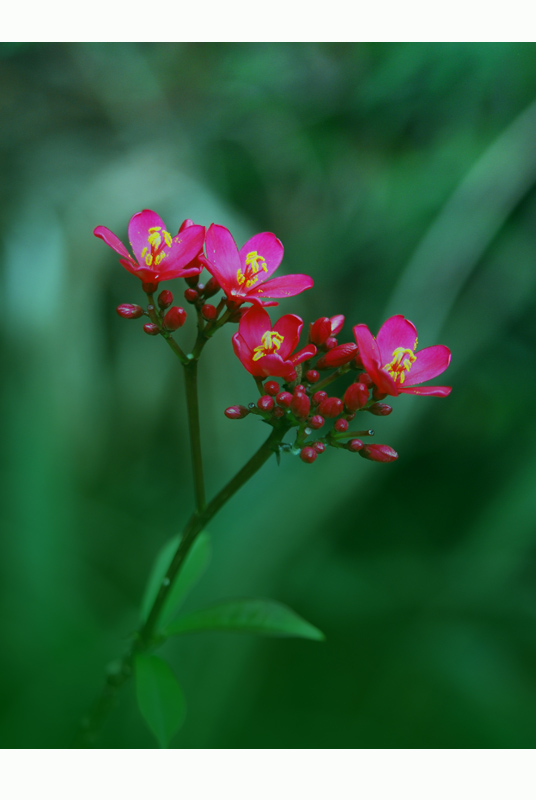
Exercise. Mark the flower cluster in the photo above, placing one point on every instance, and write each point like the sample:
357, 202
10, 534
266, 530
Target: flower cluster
366, 370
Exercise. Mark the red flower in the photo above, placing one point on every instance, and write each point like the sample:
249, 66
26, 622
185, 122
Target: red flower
158, 255
393, 364
265, 350
243, 274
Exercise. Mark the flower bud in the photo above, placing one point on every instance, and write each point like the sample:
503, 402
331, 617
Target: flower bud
265, 403
271, 387
192, 280
380, 409
358, 361
191, 295
284, 399
356, 396
312, 376
151, 328
237, 314
149, 288
379, 452
278, 412
318, 397
211, 288
341, 425
209, 312
377, 395
319, 447
236, 412
355, 445
337, 356
365, 378
165, 299
330, 343
300, 405
129, 311
308, 455
174, 318
336, 324
316, 422
330, 407
299, 388
319, 331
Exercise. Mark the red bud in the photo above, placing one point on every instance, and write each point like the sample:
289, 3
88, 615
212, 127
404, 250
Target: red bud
365, 378
192, 280
236, 412
355, 446
271, 387
300, 405
380, 409
330, 407
151, 328
149, 288
319, 447
318, 397
284, 399
320, 330
330, 343
337, 356
316, 422
191, 295
377, 395
278, 412
312, 376
209, 312
308, 455
211, 288
299, 388
129, 311
379, 452
165, 299
341, 425
265, 403
174, 318
356, 396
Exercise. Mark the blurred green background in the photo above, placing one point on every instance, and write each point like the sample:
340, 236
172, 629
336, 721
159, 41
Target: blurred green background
402, 177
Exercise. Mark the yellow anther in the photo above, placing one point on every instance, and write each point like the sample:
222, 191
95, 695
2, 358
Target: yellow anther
149, 259
143, 252
240, 277
159, 258
403, 358
252, 261
167, 238
154, 229
154, 239
271, 342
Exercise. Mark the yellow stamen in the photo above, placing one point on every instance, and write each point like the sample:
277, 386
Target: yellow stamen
271, 342
254, 264
148, 259
154, 239
403, 359
167, 238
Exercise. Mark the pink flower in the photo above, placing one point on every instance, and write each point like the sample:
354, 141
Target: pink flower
243, 275
158, 255
265, 350
394, 365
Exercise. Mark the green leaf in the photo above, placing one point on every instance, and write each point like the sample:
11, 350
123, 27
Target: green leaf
193, 568
160, 698
250, 615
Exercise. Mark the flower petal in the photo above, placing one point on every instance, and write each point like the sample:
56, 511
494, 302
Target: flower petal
111, 240
254, 323
273, 365
138, 231
268, 246
396, 332
430, 363
336, 324
302, 355
371, 358
222, 261
429, 391
290, 327
285, 286
184, 248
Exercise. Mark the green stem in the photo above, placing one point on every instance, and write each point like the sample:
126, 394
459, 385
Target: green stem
190, 382
121, 671
333, 377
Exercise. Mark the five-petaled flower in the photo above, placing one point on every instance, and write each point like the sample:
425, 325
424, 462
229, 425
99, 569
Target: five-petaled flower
394, 365
243, 275
159, 256
265, 349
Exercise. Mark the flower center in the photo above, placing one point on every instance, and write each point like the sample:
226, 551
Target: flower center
271, 342
157, 239
254, 263
403, 358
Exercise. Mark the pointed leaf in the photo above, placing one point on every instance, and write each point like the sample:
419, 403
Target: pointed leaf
249, 615
160, 698
193, 568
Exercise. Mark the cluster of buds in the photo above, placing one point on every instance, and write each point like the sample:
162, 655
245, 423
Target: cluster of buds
378, 367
